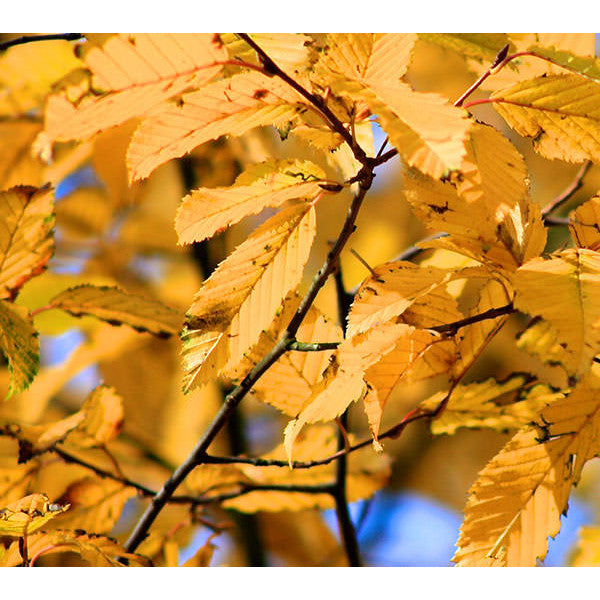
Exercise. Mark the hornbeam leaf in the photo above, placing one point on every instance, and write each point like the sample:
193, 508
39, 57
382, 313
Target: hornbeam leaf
498, 405
242, 295
26, 241
289, 382
482, 47
97, 422
28, 515
561, 113
95, 504
376, 57
227, 107
20, 344
133, 73
519, 496
586, 66
564, 291
118, 307
390, 291
428, 132
96, 550
208, 210
584, 224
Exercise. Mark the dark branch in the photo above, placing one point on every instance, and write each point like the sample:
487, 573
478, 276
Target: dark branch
26, 39
317, 101
568, 192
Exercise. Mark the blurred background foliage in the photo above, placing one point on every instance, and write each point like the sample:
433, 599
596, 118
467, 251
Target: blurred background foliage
109, 232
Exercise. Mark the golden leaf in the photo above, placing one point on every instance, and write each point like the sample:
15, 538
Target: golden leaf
206, 211
133, 73
26, 241
227, 107
518, 498
390, 290
103, 419
17, 166
482, 47
242, 295
561, 113
375, 57
96, 550
288, 383
584, 224
95, 504
498, 405
118, 307
563, 291
20, 344
28, 515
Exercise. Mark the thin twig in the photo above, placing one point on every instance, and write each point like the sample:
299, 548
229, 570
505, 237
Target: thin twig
272, 69
312, 346
568, 191
498, 63
339, 492
198, 455
26, 39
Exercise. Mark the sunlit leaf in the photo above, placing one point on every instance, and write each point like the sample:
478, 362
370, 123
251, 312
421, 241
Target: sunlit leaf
26, 241
118, 307
28, 515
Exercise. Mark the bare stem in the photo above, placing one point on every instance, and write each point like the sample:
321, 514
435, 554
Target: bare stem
568, 191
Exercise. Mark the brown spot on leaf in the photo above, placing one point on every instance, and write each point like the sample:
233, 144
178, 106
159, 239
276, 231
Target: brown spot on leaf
260, 94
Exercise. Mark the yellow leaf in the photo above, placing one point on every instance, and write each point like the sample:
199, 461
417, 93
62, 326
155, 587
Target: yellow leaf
587, 553
291, 52
390, 291
586, 66
17, 166
243, 294
498, 405
133, 73
407, 346
540, 340
519, 496
26, 241
206, 211
287, 385
118, 307
28, 515
96, 550
103, 419
561, 113
584, 224
227, 107
563, 291
428, 132
482, 47
20, 344
95, 504
99, 421
376, 57
203, 555
28, 72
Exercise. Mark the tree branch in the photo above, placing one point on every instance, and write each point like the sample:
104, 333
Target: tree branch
272, 69
568, 191
26, 39
198, 455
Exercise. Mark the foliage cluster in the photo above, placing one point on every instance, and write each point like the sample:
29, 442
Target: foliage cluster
260, 149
